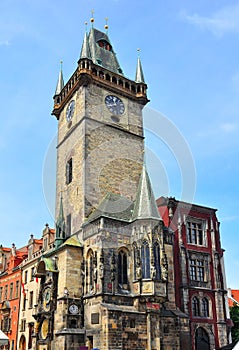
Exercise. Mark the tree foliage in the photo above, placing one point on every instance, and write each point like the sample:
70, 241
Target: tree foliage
234, 314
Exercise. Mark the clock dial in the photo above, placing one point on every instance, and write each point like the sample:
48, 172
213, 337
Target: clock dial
114, 104
46, 299
70, 110
44, 329
73, 309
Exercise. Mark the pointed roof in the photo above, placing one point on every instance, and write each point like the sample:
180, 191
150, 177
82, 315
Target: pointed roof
85, 50
60, 222
145, 204
101, 51
113, 206
60, 83
139, 76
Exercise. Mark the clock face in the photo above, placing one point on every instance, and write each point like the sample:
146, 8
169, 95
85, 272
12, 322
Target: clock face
44, 329
46, 299
73, 309
70, 110
114, 104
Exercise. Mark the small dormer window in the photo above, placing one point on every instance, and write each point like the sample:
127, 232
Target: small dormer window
104, 45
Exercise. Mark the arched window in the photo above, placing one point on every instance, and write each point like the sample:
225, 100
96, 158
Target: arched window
122, 268
89, 271
157, 260
195, 307
145, 260
205, 307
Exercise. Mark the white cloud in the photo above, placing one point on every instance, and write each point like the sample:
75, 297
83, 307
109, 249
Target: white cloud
219, 23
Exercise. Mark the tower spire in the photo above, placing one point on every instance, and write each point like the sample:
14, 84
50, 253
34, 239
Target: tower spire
60, 82
60, 225
139, 76
85, 49
145, 204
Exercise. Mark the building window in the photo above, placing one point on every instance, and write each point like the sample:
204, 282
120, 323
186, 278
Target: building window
195, 307
31, 300
23, 325
122, 268
145, 260
32, 273
205, 307
195, 233
24, 303
197, 270
0, 294
68, 225
25, 280
11, 291
69, 171
6, 292
17, 289
157, 260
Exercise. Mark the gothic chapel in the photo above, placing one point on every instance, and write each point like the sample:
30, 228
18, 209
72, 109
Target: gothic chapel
108, 283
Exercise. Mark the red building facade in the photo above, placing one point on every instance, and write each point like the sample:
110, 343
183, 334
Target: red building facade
10, 289
200, 289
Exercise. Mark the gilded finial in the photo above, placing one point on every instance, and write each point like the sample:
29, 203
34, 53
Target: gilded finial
92, 17
106, 24
138, 49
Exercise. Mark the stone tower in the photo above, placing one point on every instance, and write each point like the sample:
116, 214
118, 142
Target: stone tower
100, 134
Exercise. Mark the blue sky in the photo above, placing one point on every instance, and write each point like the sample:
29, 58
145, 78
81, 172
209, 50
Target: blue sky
190, 57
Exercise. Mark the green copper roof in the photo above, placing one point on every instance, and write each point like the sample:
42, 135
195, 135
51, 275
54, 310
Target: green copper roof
49, 264
85, 50
145, 204
72, 241
97, 46
139, 76
60, 83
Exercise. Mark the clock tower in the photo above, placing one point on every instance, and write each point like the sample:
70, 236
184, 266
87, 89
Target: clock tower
100, 146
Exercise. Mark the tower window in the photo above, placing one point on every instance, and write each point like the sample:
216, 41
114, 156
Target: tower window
105, 45
145, 260
69, 171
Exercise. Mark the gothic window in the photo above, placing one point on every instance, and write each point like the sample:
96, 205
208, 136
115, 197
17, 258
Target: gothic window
157, 260
197, 270
135, 261
205, 307
195, 307
195, 233
122, 268
69, 171
90, 271
145, 260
